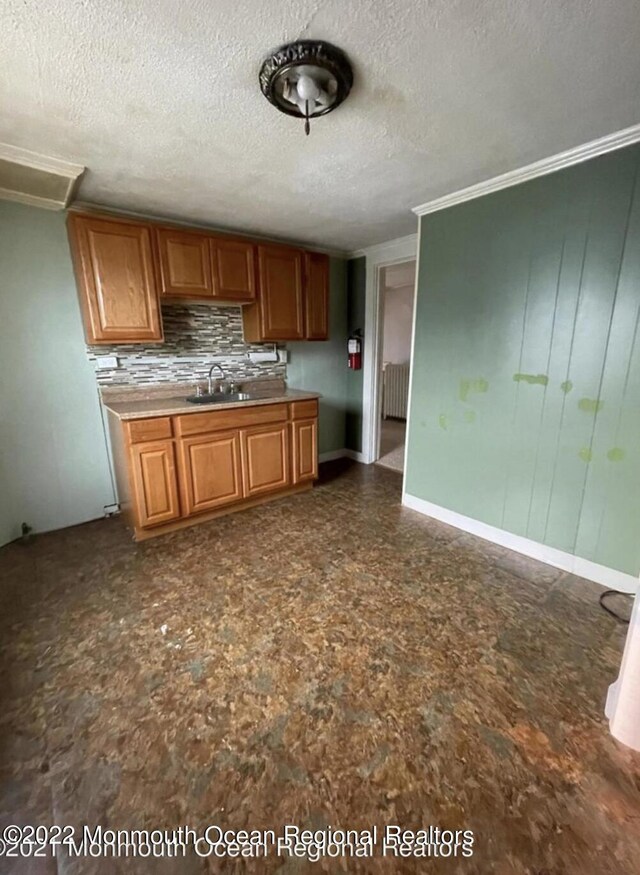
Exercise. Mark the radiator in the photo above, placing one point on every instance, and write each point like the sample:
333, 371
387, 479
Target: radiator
395, 391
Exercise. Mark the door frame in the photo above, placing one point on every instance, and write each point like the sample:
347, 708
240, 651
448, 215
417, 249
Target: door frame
378, 257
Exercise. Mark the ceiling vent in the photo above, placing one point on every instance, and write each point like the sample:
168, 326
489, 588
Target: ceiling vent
37, 179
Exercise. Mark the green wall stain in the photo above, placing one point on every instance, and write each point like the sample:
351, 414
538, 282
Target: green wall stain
443, 422
469, 415
590, 405
615, 454
532, 379
517, 467
468, 387
585, 454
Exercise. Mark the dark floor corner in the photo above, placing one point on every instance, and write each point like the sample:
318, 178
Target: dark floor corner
328, 659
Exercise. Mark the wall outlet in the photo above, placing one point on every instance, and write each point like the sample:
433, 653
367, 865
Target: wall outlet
283, 356
106, 362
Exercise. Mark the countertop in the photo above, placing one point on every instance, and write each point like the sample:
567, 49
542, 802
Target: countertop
144, 408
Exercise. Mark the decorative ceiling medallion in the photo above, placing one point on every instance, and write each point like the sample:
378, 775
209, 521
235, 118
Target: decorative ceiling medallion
306, 79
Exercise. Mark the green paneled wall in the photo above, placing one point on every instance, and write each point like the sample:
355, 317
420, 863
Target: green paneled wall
356, 285
525, 406
322, 366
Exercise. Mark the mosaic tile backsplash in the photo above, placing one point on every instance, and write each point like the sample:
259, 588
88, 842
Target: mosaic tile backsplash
193, 333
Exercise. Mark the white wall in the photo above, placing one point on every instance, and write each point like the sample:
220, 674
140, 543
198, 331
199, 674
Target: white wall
53, 461
398, 318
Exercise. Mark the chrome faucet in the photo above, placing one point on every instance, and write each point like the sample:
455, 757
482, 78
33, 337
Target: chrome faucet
222, 373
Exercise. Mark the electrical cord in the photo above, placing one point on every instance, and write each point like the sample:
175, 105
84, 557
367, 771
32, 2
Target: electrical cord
608, 592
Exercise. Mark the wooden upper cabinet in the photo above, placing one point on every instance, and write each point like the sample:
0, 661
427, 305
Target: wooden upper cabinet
123, 267
293, 296
234, 269
316, 296
202, 266
185, 263
115, 273
279, 311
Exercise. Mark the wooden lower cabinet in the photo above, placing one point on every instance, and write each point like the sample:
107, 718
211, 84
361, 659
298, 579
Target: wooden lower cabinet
265, 459
210, 469
155, 485
175, 470
304, 450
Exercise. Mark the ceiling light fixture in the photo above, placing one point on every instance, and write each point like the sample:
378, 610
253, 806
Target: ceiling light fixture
306, 79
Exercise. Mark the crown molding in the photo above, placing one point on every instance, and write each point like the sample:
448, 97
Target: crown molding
31, 200
577, 155
40, 162
381, 251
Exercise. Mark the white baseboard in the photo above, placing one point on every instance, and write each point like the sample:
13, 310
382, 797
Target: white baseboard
357, 457
608, 577
340, 454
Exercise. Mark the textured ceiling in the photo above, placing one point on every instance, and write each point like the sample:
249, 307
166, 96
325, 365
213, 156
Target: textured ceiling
160, 100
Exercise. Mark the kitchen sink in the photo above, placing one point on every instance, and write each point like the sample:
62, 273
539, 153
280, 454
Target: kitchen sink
219, 398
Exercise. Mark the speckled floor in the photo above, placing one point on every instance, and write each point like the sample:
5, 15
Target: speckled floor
330, 659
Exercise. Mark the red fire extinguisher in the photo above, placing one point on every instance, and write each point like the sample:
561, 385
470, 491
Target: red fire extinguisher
355, 351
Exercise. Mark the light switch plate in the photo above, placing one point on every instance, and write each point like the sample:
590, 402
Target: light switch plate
106, 362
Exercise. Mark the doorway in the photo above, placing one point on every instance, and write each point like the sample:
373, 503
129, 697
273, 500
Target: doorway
378, 258
397, 285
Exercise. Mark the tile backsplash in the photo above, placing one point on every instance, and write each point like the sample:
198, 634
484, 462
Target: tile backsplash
193, 333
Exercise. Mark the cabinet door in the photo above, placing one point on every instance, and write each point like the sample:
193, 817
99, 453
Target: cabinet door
305, 450
265, 459
234, 269
155, 483
185, 264
211, 471
316, 296
116, 279
281, 296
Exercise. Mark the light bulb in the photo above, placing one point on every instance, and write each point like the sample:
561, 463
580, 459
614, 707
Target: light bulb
308, 88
